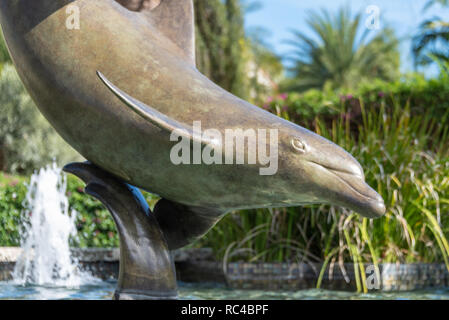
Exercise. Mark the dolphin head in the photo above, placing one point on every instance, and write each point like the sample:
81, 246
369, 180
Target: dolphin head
318, 171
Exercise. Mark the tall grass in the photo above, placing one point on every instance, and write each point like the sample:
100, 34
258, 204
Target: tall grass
406, 159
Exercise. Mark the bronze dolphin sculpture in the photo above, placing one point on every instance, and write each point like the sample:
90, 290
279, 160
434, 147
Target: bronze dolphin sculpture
148, 62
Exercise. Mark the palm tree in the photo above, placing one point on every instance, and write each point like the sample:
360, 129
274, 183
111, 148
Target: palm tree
433, 2
433, 40
342, 56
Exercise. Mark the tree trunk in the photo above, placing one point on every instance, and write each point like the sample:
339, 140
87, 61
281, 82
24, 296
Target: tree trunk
2, 158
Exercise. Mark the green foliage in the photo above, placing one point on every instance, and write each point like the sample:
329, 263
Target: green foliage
12, 193
220, 40
343, 56
27, 141
421, 94
227, 55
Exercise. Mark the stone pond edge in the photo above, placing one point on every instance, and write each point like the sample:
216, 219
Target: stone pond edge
198, 265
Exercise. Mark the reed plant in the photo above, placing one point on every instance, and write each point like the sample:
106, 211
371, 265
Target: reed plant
406, 159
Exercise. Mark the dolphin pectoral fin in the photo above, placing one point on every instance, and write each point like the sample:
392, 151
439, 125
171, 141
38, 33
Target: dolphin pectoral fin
146, 112
182, 225
156, 118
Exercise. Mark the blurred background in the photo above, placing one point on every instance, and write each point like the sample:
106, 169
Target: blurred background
372, 76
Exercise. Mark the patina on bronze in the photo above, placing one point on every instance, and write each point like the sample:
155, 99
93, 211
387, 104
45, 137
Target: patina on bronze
147, 58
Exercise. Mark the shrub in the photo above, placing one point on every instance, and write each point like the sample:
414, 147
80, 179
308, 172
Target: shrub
12, 193
430, 96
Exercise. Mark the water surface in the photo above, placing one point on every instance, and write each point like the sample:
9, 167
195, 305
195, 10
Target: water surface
104, 290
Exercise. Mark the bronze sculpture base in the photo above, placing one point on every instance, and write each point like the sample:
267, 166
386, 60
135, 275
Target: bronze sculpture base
147, 271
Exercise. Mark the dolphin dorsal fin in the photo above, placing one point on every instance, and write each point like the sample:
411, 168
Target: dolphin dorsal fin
175, 19
156, 118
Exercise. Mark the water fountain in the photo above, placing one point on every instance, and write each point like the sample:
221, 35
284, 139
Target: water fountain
48, 227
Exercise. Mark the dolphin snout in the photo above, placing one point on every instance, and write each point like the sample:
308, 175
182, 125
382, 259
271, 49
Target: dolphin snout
377, 208
359, 196
343, 180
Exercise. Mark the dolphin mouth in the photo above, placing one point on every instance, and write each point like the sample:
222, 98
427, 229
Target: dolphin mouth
337, 171
354, 193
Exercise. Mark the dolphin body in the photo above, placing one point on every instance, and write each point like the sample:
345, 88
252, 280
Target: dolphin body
148, 62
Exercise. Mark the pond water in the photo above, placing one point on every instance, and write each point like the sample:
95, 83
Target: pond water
104, 290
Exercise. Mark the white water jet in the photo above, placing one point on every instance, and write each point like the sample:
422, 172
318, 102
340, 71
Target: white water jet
46, 259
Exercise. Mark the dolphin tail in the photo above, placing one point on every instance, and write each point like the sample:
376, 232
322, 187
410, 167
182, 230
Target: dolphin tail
146, 268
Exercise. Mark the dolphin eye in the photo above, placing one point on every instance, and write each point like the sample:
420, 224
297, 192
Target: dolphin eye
298, 145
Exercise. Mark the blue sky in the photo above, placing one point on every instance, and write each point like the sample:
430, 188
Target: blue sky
404, 16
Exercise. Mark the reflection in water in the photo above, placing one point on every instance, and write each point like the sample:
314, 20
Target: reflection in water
99, 291
104, 290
